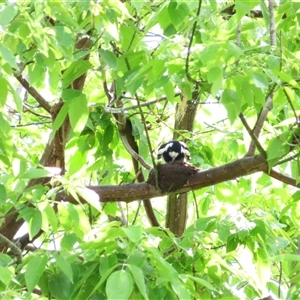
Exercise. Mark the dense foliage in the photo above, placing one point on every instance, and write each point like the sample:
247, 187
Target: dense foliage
87, 85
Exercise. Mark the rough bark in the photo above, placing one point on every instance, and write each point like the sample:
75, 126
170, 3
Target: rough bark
136, 191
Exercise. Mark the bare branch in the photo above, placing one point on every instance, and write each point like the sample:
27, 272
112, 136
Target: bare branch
254, 139
283, 178
119, 110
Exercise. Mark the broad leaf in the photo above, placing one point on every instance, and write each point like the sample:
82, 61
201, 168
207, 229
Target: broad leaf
34, 271
119, 285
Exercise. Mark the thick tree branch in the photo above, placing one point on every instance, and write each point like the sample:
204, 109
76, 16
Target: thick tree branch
136, 191
16, 251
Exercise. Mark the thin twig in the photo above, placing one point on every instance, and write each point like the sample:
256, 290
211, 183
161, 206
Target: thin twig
290, 102
280, 279
118, 110
35, 113
288, 159
196, 205
30, 124
283, 178
146, 131
34, 93
135, 155
220, 130
253, 136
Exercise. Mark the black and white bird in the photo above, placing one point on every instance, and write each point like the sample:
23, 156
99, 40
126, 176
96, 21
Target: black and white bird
173, 150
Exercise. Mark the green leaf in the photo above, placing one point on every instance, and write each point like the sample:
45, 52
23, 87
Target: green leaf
177, 12
77, 162
3, 194
169, 91
35, 223
260, 81
243, 7
64, 266
215, 77
232, 104
8, 56
232, 243
49, 211
233, 53
35, 173
75, 70
78, 113
3, 91
119, 285
60, 287
36, 74
277, 148
68, 241
34, 271
63, 13
285, 257
7, 14
109, 58
60, 118
134, 233
6, 275
17, 98
137, 258
138, 277
296, 196
203, 282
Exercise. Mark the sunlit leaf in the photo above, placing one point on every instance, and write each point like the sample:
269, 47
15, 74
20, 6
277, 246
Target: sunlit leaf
7, 14
6, 275
78, 113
